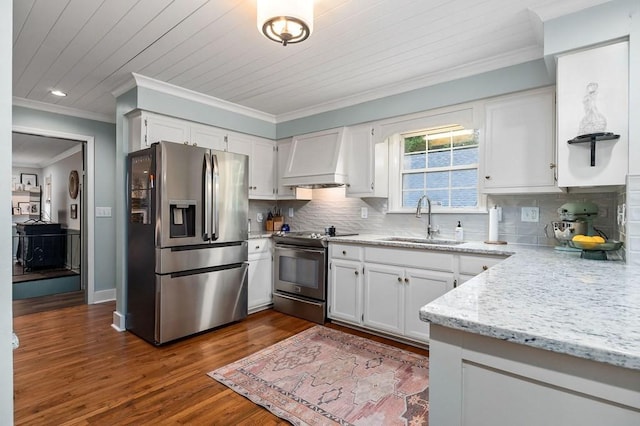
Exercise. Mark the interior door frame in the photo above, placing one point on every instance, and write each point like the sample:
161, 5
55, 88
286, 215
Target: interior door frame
88, 236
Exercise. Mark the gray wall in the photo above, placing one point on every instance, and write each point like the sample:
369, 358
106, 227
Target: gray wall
104, 145
6, 320
528, 75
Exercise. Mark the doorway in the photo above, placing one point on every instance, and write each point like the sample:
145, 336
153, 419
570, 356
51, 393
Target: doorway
49, 221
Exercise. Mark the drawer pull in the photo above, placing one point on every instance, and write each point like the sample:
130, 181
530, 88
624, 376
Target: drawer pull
257, 247
485, 267
344, 252
357, 273
399, 279
406, 280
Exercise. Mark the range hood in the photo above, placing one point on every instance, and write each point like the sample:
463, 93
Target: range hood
317, 160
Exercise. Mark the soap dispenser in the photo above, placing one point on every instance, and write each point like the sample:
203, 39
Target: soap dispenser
459, 234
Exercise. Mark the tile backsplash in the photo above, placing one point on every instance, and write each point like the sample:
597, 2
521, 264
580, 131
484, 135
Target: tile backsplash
331, 207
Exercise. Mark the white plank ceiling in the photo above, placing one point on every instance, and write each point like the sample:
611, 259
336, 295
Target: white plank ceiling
359, 50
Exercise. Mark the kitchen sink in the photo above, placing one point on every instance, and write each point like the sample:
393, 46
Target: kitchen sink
432, 241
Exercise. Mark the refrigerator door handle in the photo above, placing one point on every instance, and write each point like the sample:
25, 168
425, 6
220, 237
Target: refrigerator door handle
207, 190
216, 188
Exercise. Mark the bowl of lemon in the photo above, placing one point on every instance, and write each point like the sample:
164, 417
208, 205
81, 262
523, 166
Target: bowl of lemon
594, 242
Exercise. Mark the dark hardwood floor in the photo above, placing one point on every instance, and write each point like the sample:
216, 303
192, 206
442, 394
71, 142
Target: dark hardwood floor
33, 305
73, 368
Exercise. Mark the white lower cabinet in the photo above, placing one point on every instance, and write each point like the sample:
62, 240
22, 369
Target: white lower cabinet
421, 287
345, 301
477, 380
383, 298
383, 289
394, 295
260, 274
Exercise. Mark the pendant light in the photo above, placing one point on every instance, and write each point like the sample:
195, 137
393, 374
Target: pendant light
285, 21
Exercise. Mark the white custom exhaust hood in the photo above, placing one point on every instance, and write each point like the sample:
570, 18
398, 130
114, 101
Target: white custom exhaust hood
317, 160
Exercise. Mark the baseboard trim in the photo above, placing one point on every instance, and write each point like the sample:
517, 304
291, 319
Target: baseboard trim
118, 321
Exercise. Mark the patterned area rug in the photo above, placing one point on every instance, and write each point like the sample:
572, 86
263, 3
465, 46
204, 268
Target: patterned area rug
325, 377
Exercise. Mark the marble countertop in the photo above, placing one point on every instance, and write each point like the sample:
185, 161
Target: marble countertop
543, 298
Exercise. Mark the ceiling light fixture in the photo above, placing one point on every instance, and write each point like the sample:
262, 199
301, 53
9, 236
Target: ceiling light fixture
285, 21
58, 93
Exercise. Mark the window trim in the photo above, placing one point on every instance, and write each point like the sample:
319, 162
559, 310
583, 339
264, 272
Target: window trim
395, 178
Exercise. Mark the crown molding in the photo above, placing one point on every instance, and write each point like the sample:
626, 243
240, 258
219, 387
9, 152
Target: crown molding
59, 109
181, 92
508, 59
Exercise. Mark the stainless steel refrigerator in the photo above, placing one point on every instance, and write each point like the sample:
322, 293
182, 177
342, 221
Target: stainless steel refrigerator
187, 249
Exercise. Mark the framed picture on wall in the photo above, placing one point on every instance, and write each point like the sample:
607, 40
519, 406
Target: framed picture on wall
34, 208
74, 211
24, 207
16, 210
28, 179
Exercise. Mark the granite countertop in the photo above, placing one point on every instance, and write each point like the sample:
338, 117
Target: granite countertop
543, 298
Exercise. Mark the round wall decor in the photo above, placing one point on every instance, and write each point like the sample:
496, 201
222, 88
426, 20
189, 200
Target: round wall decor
73, 184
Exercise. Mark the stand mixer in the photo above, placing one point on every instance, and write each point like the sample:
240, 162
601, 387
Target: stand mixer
576, 218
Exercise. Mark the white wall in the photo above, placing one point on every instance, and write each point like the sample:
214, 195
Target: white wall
6, 323
61, 201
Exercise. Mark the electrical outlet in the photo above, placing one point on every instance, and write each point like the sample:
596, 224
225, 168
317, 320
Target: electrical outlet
259, 218
290, 211
530, 214
364, 213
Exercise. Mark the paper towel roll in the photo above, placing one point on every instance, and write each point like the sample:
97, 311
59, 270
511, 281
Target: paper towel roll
493, 224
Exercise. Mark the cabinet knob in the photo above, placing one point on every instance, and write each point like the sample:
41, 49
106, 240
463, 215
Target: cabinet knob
485, 267
257, 247
406, 280
487, 177
552, 165
399, 279
344, 252
357, 273
348, 185
195, 144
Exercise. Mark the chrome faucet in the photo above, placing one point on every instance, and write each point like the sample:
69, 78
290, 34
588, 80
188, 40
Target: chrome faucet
418, 214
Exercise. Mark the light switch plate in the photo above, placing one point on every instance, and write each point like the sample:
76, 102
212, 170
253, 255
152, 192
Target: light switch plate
290, 211
103, 211
364, 212
530, 214
259, 217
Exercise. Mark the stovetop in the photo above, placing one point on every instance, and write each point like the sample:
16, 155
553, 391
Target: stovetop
306, 238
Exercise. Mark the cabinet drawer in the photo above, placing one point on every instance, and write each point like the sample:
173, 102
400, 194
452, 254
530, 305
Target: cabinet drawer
259, 245
473, 265
423, 259
345, 251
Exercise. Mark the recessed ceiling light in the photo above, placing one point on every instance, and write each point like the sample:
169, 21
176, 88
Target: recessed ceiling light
58, 93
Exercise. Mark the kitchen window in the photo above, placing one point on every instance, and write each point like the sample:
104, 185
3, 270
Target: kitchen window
441, 162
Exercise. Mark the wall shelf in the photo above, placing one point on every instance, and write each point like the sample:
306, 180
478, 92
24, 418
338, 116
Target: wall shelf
592, 138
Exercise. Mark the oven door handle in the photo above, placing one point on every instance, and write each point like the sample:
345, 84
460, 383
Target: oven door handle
298, 248
284, 296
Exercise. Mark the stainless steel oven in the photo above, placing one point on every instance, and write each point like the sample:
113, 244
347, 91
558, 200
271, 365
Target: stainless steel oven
300, 272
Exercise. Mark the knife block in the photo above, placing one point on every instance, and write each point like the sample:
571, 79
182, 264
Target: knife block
278, 221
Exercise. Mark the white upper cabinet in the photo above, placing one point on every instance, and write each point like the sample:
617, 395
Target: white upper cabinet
519, 151
146, 128
209, 137
367, 163
593, 99
261, 153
